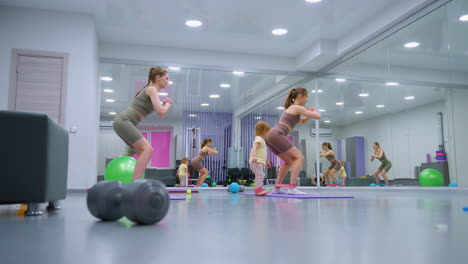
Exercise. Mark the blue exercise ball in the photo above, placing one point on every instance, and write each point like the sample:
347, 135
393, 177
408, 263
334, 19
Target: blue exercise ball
372, 185
204, 185
453, 185
234, 187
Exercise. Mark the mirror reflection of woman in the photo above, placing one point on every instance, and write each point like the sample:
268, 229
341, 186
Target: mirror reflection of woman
206, 150
335, 164
384, 167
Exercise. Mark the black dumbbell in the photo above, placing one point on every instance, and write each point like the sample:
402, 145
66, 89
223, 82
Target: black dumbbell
144, 202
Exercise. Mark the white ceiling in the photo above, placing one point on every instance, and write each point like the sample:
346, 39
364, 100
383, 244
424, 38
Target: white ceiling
319, 31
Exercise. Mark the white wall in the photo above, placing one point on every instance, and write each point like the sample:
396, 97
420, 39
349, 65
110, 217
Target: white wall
75, 34
405, 137
457, 122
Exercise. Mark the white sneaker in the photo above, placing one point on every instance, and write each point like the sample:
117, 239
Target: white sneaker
278, 191
295, 191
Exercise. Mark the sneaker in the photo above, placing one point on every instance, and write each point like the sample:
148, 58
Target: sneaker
260, 191
278, 191
295, 191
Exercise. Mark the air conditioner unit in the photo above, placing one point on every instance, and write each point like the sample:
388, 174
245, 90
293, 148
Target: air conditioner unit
322, 132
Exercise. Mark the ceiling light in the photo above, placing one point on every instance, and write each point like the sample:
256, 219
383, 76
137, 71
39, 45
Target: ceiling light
339, 103
340, 80
108, 90
279, 31
215, 96
409, 97
327, 121
193, 23
106, 78
463, 18
319, 91
192, 115
238, 73
322, 110
225, 85
364, 94
411, 44
258, 117
163, 94
313, 1
204, 104
171, 82
173, 68
112, 113
280, 108
359, 113
380, 106
392, 84
110, 100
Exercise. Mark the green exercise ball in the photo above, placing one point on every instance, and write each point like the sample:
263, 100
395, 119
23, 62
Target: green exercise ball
431, 177
209, 176
214, 184
121, 169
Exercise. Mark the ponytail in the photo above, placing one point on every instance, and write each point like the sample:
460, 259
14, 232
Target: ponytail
205, 141
293, 95
328, 145
153, 72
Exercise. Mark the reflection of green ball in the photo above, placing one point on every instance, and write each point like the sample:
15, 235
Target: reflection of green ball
431, 177
214, 184
121, 169
209, 176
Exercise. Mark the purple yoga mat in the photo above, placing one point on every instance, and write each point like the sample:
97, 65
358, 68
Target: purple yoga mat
307, 196
176, 198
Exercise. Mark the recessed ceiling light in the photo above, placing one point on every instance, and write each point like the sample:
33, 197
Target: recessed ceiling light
380, 106
192, 115
364, 94
280, 108
204, 104
322, 110
319, 91
411, 44
171, 82
112, 113
258, 117
409, 97
110, 100
193, 23
215, 95
108, 90
339, 103
238, 73
392, 84
327, 121
106, 78
279, 31
359, 113
163, 94
340, 80
173, 68
463, 18
225, 85
313, 1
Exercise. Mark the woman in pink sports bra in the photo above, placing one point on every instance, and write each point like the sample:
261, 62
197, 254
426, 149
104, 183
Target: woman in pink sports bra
278, 142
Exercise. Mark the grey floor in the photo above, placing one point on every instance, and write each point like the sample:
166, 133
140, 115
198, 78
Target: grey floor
380, 225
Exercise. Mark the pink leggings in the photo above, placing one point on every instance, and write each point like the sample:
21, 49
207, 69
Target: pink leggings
259, 171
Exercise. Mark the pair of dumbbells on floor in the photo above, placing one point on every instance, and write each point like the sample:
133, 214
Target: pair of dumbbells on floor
143, 201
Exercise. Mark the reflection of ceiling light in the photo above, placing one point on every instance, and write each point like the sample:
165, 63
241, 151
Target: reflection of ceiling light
409, 97
215, 96
238, 73
173, 68
327, 121
106, 78
171, 82
205, 104
359, 113
340, 80
463, 18
380, 106
319, 91
322, 110
108, 90
163, 94
313, 1
258, 117
280, 108
110, 100
112, 113
411, 44
392, 84
339, 103
279, 31
363, 94
192, 115
193, 23
225, 85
